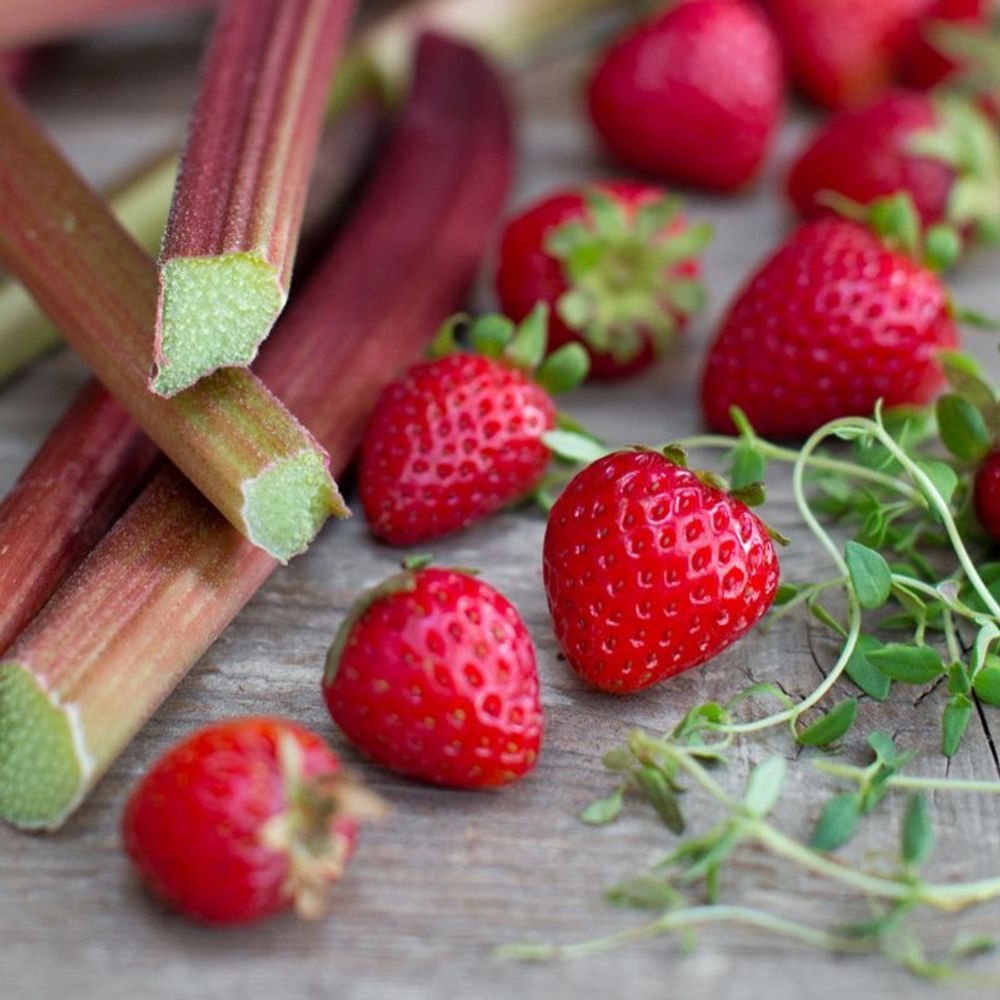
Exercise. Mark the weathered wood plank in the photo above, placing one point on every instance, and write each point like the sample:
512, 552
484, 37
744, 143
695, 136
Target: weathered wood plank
450, 875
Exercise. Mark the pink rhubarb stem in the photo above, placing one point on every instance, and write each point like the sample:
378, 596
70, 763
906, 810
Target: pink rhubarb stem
227, 254
231, 437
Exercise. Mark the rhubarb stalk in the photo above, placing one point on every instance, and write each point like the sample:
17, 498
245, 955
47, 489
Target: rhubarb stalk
140, 205
234, 440
91, 464
230, 242
149, 600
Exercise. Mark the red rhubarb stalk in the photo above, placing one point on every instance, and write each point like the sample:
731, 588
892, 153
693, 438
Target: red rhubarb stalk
231, 437
129, 624
229, 246
82, 477
28, 22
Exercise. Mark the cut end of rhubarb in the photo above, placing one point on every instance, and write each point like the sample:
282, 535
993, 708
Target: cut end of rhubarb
287, 504
41, 771
213, 313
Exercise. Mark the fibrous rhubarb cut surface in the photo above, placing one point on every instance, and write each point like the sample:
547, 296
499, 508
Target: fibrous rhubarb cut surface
149, 600
228, 434
230, 242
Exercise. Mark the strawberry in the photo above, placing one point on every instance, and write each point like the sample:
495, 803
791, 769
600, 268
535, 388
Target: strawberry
243, 819
694, 95
617, 263
834, 321
433, 675
844, 52
458, 437
923, 64
943, 151
651, 570
987, 494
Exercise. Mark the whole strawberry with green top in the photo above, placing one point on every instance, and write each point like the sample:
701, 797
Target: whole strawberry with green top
842, 316
693, 95
943, 151
460, 436
652, 569
243, 819
617, 263
433, 675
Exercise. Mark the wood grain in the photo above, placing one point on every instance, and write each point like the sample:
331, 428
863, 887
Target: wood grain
450, 875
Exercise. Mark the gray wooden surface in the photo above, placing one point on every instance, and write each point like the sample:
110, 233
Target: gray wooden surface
450, 875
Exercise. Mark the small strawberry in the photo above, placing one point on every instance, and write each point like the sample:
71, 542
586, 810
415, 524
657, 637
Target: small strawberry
618, 265
458, 437
651, 569
243, 819
923, 62
694, 95
834, 321
433, 675
943, 151
844, 52
987, 494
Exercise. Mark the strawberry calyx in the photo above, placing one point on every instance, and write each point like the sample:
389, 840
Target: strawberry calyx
966, 140
619, 268
309, 832
896, 222
522, 346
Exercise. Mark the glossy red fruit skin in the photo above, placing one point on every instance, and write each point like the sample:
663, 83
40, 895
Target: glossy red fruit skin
192, 827
439, 683
449, 442
864, 154
922, 64
844, 52
987, 494
527, 274
832, 323
649, 572
694, 95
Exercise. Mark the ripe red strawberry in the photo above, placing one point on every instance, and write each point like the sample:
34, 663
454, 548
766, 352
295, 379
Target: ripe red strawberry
942, 151
618, 265
987, 494
833, 322
243, 819
459, 437
433, 675
651, 571
694, 95
923, 64
844, 52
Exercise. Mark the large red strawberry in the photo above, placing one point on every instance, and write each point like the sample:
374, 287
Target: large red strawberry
616, 262
458, 437
243, 819
833, 322
844, 52
693, 95
943, 151
433, 675
650, 570
923, 64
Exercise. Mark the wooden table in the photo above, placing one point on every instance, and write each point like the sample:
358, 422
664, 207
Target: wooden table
451, 875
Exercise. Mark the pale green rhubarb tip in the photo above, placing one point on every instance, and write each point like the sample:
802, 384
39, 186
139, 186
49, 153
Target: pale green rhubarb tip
43, 762
287, 504
214, 313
